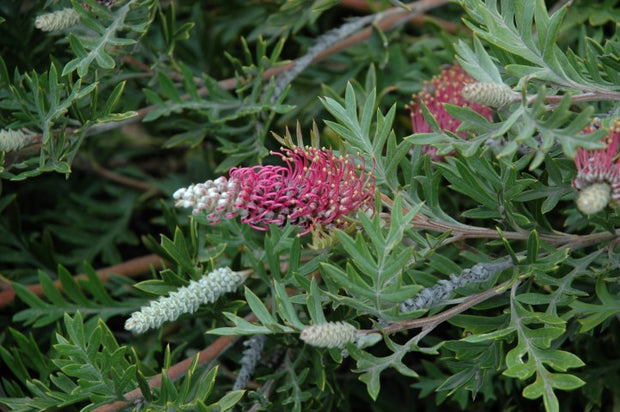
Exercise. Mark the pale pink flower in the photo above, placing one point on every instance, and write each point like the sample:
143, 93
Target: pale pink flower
445, 87
316, 189
598, 173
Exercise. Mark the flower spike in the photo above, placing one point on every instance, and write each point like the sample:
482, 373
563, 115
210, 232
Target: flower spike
315, 190
58, 20
329, 334
186, 299
489, 94
11, 140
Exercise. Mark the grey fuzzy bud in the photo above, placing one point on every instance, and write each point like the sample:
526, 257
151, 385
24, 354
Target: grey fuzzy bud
251, 356
434, 295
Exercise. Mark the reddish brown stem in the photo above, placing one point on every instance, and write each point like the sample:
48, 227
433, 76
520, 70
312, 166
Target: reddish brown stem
361, 5
375, 6
123, 180
132, 61
130, 268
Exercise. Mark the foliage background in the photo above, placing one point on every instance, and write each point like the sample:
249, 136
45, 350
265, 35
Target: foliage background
148, 96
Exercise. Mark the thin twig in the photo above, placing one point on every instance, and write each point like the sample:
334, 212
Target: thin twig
123, 180
594, 95
130, 268
324, 42
461, 231
132, 61
391, 17
266, 390
418, 20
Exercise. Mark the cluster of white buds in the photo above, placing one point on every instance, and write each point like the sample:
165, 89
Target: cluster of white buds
186, 299
11, 140
329, 335
217, 197
488, 94
58, 20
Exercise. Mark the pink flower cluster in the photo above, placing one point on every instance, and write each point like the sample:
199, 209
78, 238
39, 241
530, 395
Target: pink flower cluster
446, 87
316, 189
598, 172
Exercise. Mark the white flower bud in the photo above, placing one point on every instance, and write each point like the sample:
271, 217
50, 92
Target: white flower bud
58, 20
179, 194
186, 299
329, 335
593, 198
488, 94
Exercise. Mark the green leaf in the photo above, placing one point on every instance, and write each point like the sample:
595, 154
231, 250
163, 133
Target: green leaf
258, 308
243, 327
313, 302
178, 251
592, 315
132, 18
229, 400
285, 307
371, 366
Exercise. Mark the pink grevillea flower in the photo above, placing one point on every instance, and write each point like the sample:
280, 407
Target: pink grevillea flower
446, 87
598, 173
315, 190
